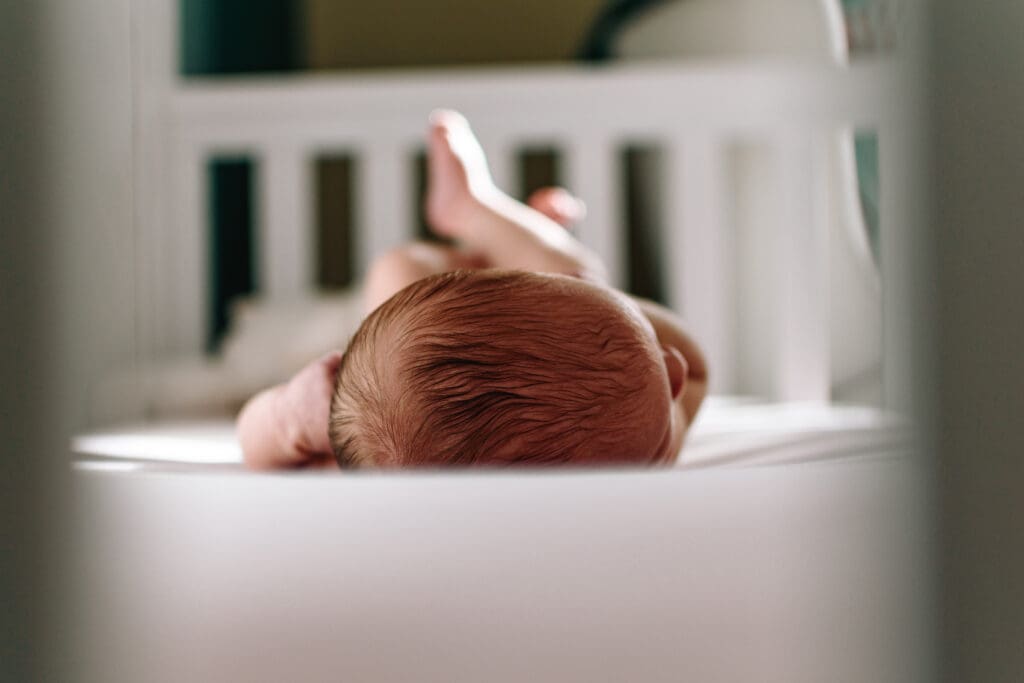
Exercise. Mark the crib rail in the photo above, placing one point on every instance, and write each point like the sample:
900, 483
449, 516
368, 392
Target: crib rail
691, 113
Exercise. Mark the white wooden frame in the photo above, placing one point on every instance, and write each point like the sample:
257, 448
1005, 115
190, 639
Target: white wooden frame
691, 112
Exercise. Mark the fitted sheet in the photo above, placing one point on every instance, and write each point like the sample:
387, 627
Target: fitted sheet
728, 432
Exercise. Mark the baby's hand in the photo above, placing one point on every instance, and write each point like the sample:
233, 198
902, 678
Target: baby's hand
307, 405
286, 426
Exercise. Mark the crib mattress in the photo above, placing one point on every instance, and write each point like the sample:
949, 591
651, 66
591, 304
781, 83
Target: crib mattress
799, 573
729, 431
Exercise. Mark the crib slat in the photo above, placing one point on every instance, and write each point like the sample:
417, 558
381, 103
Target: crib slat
187, 300
285, 228
591, 173
899, 198
801, 368
698, 241
384, 201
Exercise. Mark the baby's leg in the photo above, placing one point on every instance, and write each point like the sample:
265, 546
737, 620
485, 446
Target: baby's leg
462, 202
396, 269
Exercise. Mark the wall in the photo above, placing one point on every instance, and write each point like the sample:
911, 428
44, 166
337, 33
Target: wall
412, 33
730, 29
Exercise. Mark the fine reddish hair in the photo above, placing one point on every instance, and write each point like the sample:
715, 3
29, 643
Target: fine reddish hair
492, 368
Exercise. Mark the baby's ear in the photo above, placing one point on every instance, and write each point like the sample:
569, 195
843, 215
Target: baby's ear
677, 369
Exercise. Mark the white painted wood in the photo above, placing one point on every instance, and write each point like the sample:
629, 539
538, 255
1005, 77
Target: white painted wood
285, 231
585, 113
548, 102
801, 334
154, 31
699, 244
384, 199
185, 266
593, 174
784, 574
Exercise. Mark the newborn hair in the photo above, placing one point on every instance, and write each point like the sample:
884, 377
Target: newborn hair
490, 368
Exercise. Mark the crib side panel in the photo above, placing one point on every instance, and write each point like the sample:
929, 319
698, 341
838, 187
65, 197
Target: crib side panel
689, 112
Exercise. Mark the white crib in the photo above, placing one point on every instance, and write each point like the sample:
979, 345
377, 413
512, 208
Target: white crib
692, 114
806, 572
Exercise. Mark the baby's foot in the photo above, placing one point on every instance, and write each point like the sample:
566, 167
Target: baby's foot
457, 175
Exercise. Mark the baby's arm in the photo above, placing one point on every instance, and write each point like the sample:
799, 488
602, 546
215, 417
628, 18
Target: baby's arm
286, 426
671, 333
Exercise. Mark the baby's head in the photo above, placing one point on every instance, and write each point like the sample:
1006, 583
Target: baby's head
496, 368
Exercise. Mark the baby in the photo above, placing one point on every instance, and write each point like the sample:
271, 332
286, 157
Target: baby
506, 349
